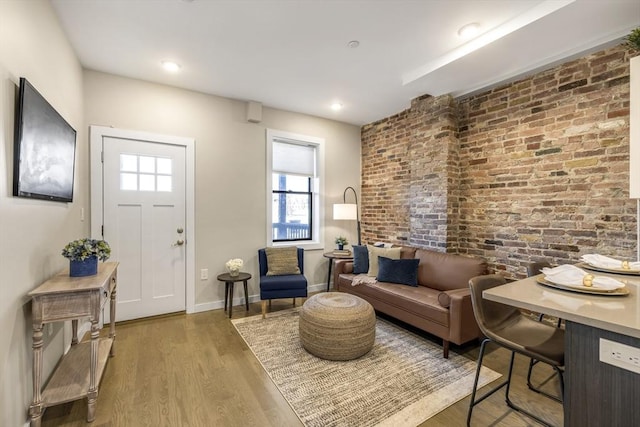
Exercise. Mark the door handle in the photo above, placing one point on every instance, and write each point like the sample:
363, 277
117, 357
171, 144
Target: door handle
179, 242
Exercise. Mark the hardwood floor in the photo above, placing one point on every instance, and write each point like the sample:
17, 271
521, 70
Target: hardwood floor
195, 370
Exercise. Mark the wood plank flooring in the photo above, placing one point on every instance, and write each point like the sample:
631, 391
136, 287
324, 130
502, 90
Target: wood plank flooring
195, 370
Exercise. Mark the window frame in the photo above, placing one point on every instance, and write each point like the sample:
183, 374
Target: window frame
317, 188
309, 194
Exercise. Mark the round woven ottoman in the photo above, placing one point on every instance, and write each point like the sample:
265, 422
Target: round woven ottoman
337, 326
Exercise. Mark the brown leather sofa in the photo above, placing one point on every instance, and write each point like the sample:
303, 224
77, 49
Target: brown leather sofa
439, 305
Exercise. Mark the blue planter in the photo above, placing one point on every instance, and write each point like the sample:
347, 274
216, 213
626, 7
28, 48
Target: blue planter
87, 267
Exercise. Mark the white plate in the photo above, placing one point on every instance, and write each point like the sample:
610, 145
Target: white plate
583, 289
608, 270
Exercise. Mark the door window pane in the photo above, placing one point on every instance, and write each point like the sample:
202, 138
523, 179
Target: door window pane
164, 183
147, 164
163, 166
128, 163
129, 181
145, 173
147, 182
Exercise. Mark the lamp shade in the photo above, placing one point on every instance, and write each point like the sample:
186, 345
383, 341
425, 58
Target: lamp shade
345, 211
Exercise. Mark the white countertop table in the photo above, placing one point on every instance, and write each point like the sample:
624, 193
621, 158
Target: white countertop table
620, 314
595, 390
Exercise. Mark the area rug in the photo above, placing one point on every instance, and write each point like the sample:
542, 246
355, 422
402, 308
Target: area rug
402, 381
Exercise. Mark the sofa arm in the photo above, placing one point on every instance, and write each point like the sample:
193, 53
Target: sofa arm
341, 266
462, 322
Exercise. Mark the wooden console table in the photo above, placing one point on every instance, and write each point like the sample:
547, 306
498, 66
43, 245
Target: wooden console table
73, 298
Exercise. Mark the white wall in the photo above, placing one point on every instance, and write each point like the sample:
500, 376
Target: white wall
230, 167
32, 233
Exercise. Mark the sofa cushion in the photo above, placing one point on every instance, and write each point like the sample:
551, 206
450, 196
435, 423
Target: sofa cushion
360, 259
407, 252
374, 253
418, 300
402, 271
442, 271
282, 261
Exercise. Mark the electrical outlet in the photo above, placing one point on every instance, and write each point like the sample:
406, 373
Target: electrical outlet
620, 355
204, 274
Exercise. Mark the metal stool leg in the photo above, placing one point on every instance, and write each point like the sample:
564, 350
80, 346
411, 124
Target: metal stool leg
522, 410
473, 402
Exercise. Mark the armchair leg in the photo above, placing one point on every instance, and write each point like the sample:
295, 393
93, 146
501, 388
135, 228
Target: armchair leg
294, 302
264, 308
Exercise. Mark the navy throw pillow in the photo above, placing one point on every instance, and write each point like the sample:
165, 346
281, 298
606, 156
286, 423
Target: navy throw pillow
360, 259
402, 271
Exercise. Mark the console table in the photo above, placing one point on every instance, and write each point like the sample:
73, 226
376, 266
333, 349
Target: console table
63, 298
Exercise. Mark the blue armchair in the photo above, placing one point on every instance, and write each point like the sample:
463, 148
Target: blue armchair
284, 286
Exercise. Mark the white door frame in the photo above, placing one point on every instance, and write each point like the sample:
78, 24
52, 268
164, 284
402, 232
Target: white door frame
96, 136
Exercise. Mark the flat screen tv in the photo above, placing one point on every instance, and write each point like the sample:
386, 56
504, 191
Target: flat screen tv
44, 149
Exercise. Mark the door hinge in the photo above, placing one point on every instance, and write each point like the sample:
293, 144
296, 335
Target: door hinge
102, 230
102, 157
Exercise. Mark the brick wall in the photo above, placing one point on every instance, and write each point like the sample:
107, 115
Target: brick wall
536, 169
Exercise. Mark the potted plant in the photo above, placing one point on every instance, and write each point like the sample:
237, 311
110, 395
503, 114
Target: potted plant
83, 256
341, 241
633, 39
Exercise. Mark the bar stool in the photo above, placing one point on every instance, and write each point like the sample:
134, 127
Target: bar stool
533, 269
509, 328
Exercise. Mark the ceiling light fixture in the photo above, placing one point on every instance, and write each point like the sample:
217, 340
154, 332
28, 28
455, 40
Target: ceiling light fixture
170, 66
353, 44
469, 30
336, 106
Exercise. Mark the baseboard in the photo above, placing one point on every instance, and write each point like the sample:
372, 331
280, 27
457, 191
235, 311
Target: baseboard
215, 305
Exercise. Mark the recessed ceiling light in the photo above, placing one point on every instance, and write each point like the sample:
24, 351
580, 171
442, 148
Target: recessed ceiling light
170, 66
469, 30
336, 106
353, 44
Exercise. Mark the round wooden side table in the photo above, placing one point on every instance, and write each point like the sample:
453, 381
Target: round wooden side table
332, 257
229, 280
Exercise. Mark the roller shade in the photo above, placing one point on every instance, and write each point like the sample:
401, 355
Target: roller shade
293, 159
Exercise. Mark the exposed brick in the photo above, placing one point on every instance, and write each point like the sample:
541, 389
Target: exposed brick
572, 85
532, 170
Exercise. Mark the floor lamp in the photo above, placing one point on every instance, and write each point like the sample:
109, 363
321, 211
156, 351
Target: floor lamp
348, 211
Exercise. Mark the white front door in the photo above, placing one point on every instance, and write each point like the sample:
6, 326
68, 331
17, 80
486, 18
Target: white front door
144, 222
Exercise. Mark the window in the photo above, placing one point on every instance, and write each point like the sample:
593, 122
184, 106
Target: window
294, 166
145, 173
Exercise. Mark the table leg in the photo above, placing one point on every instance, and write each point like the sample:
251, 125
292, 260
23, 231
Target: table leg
230, 299
74, 332
226, 294
246, 300
92, 393
329, 275
112, 325
36, 409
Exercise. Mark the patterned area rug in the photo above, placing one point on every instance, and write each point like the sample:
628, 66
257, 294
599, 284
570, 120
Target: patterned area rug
402, 381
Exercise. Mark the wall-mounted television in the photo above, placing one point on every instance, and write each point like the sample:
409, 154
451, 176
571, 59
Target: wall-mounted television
44, 149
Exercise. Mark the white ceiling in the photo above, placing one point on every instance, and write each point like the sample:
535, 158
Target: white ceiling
293, 54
